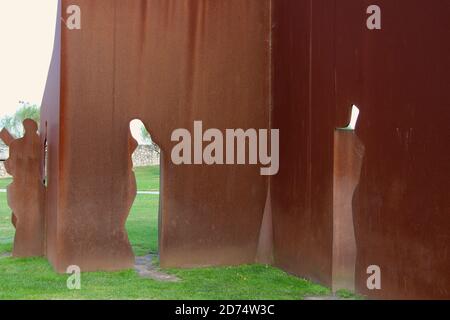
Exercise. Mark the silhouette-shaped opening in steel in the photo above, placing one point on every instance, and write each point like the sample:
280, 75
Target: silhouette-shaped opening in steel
348, 158
353, 119
144, 216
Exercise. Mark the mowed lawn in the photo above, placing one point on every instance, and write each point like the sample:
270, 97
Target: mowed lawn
34, 278
147, 178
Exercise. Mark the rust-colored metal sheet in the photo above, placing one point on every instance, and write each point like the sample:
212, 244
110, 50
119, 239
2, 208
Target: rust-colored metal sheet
50, 137
170, 63
348, 158
399, 77
326, 59
26, 194
302, 192
167, 63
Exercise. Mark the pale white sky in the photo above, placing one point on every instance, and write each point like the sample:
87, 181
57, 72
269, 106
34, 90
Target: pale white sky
26, 43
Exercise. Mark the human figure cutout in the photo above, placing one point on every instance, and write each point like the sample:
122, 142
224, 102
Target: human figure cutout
122, 251
26, 194
129, 192
132, 185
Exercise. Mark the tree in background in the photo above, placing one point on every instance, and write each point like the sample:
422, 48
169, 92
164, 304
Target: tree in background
14, 123
146, 137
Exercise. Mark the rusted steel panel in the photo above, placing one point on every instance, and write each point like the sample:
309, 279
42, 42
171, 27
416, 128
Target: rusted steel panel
26, 194
398, 76
302, 192
202, 61
348, 157
50, 135
167, 63
171, 62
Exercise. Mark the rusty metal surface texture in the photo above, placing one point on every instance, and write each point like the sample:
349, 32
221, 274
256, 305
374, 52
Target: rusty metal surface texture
341, 201
166, 63
398, 77
26, 194
302, 192
348, 158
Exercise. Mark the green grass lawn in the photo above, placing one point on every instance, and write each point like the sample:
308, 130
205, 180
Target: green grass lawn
147, 178
4, 182
35, 278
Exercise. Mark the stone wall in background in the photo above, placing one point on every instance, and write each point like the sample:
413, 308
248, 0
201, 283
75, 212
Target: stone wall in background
3, 156
145, 155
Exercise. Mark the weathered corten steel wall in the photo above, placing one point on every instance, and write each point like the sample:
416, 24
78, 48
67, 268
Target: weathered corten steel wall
167, 63
399, 77
26, 194
326, 59
348, 158
170, 62
50, 134
302, 192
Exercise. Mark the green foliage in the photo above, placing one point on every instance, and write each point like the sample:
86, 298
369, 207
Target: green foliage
8, 122
14, 123
148, 139
145, 135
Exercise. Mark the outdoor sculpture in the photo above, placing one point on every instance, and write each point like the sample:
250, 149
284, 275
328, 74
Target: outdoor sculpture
348, 158
26, 194
326, 59
121, 254
167, 88
288, 65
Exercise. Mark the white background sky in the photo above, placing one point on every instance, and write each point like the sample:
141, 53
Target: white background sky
26, 43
